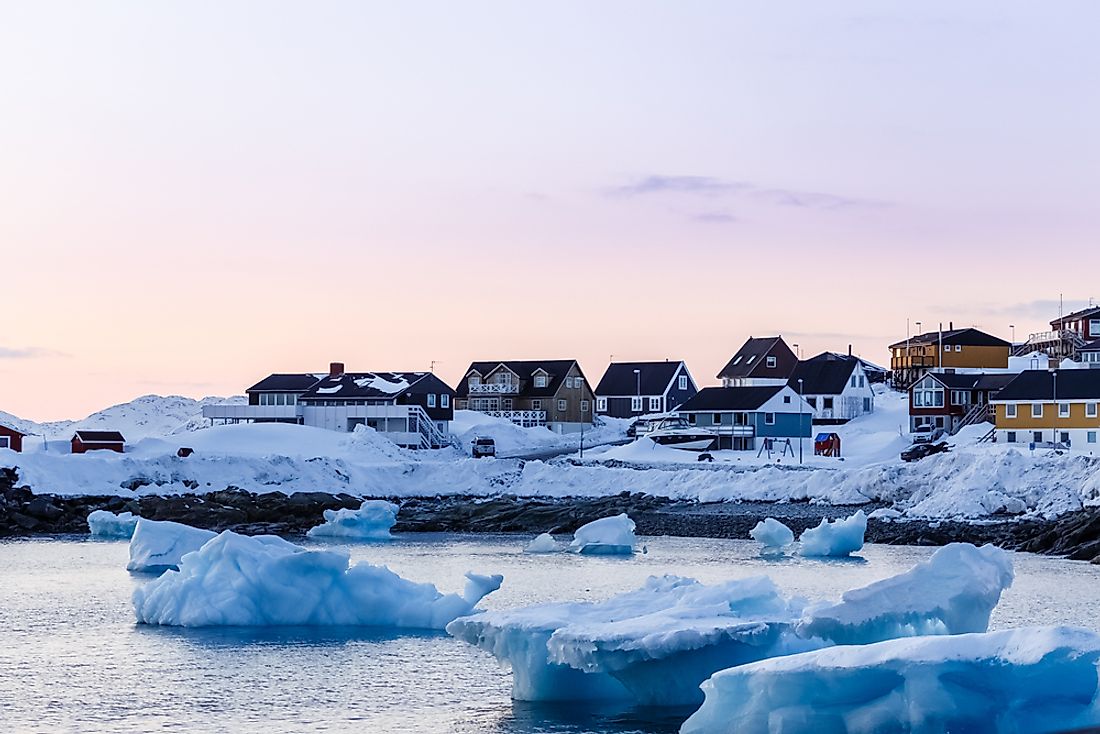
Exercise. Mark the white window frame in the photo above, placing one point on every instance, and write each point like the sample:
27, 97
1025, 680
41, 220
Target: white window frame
1094, 327
682, 383
654, 404
1010, 437
635, 404
601, 405
444, 400
1010, 410
769, 419
584, 406
536, 404
431, 400
1090, 410
562, 406
1036, 410
1090, 437
771, 361
5, 442
473, 380
540, 380
1063, 410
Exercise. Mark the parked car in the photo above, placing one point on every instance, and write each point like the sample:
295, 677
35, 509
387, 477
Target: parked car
926, 433
639, 427
918, 451
484, 446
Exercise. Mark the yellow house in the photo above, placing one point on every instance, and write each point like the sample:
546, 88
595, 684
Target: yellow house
970, 349
1055, 407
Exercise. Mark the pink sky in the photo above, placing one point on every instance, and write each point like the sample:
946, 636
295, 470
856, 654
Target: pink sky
196, 194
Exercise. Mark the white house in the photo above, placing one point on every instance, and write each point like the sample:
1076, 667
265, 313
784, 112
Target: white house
836, 386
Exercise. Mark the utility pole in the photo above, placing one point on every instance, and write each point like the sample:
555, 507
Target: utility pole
801, 400
1054, 420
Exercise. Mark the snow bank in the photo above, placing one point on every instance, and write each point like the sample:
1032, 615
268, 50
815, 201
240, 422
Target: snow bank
836, 538
953, 592
235, 580
372, 521
772, 534
158, 545
606, 536
104, 524
544, 543
1040, 679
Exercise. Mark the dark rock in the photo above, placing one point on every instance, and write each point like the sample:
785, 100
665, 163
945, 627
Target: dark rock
43, 508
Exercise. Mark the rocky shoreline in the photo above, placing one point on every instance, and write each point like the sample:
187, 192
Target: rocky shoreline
1075, 535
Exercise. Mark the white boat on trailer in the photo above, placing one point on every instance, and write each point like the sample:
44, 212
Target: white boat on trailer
677, 433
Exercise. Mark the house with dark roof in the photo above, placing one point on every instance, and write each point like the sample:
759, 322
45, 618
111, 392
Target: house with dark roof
913, 357
1051, 407
1088, 354
413, 409
954, 400
744, 415
85, 441
629, 389
836, 387
11, 438
549, 392
1084, 323
760, 361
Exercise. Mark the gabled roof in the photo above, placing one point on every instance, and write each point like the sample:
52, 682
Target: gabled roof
826, 374
1080, 384
719, 399
13, 429
362, 385
1092, 346
752, 355
970, 380
1090, 311
653, 377
524, 369
965, 337
100, 437
285, 382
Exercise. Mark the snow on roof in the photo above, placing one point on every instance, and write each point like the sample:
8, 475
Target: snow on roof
381, 384
329, 390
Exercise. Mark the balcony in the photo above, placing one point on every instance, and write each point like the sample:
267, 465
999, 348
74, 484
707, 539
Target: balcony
494, 388
524, 418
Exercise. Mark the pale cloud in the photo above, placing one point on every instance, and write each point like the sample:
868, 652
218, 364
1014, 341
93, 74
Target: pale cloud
713, 187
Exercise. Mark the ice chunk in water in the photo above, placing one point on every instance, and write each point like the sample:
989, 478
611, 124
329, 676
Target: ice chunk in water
160, 544
772, 534
105, 524
372, 521
606, 536
544, 543
835, 538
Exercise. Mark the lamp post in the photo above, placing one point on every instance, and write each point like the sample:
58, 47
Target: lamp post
1013, 327
638, 382
580, 404
801, 400
911, 358
1054, 420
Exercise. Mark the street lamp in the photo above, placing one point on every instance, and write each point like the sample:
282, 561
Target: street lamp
1013, 327
638, 381
800, 402
1054, 420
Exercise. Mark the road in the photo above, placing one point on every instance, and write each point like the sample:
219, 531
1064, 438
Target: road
545, 454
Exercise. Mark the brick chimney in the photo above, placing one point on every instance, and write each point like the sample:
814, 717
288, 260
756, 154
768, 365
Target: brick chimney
335, 369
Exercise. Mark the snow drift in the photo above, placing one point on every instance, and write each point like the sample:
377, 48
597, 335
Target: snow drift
835, 538
1041, 679
235, 580
606, 536
105, 524
372, 521
158, 545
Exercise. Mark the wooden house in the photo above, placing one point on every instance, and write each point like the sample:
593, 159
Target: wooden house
85, 441
835, 386
10, 438
745, 415
912, 358
1051, 407
552, 392
759, 361
952, 401
630, 389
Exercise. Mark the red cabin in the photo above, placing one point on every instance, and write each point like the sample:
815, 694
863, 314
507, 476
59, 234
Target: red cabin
85, 441
11, 438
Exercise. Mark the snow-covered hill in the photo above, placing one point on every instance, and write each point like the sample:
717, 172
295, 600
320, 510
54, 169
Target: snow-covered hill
150, 416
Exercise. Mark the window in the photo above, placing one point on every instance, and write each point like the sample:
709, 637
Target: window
960, 397
1037, 436
769, 419
584, 406
1094, 327
737, 360
506, 403
751, 358
1010, 437
853, 382
444, 400
636, 405
540, 380
5, 442
474, 380
1090, 410
1010, 410
958, 347
1063, 437
716, 419
1036, 410
682, 383
561, 405
862, 381
536, 405
813, 402
601, 405
655, 405
939, 421
867, 405
431, 400
1091, 437
787, 399
827, 403
1063, 410
771, 361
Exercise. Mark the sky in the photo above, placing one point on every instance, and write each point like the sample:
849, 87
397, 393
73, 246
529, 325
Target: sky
196, 194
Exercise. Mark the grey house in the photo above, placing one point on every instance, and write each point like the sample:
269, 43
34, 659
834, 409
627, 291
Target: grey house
630, 389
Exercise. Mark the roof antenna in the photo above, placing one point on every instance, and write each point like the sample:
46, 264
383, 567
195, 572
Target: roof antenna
434, 363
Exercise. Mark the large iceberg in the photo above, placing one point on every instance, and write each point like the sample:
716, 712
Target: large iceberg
158, 545
834, 538
659, 643
372, 521
236, 580
1033, 680
106, 524
772, 534
606, 536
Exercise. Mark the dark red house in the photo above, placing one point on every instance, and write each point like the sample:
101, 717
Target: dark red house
11, 438
85, 441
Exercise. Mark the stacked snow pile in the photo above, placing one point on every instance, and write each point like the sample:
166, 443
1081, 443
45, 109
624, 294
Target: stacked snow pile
235, 580
772, 534
104, 524
951, 593
606, 536
657, 644
835, 538
372, 521
544, 543
1039, 679
158, 545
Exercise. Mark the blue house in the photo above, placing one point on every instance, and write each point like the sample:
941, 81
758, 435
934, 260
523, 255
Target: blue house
743, 416
629, 389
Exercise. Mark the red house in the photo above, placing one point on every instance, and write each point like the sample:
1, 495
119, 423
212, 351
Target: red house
11, 438
85, 441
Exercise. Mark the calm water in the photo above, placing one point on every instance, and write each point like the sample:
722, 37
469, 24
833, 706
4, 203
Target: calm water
72, 659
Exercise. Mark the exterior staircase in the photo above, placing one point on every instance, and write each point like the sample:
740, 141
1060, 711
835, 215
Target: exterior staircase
1059, 344
430, 435
978, 413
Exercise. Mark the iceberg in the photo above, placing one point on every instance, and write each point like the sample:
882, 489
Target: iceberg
372, 521
158, 545
1040, 679
544, 543
105, 524
236, 580
951, 593
772, 534
836, 538
606, 536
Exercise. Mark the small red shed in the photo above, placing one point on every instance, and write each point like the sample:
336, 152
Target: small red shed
11, 438
85, 441
827, 444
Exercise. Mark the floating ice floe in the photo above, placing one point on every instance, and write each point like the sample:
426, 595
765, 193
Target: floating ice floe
106, 524
657, 644
835, 538
772, 534
158, 545
236, 580
1039, 679
606, 536
544, 543
372, 521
